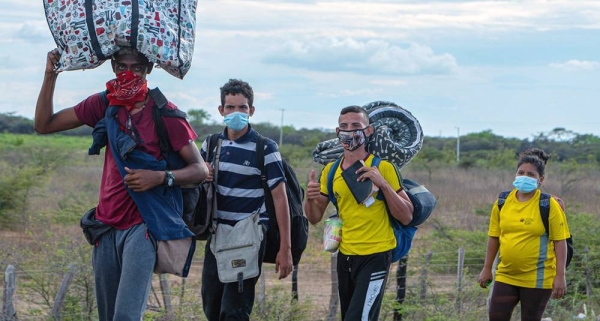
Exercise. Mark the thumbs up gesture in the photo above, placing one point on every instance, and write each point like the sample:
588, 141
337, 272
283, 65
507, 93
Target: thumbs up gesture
313, 188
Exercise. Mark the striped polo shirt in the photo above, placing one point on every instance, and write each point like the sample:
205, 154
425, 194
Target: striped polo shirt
239, 189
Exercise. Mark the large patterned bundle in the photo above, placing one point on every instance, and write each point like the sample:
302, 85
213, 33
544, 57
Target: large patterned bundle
398, 136
88, 32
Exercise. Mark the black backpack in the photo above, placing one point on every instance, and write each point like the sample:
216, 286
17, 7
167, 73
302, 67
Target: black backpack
298, 222
200, 216
545, 213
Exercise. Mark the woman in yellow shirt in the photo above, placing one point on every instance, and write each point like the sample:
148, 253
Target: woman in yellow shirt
531, 266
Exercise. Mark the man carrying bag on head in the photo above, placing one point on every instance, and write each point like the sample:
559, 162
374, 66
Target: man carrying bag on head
140, 200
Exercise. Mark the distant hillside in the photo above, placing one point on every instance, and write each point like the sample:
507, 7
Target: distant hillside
475, 149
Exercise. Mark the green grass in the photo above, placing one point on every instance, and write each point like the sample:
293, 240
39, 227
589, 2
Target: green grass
58, 141
50, 181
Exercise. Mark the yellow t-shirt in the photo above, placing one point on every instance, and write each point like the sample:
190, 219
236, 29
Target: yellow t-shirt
365, 230
527, 258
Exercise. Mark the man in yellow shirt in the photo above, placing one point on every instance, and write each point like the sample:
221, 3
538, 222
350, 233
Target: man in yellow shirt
367, 237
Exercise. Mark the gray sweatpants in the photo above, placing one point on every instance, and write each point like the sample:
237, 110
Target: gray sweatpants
123, 262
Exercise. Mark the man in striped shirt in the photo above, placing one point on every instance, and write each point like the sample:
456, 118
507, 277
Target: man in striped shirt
239, 195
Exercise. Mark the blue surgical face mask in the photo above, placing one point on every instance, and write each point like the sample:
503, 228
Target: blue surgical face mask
236, 121
525, 184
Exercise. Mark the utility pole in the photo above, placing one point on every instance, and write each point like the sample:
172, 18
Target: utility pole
281, 128
458, 144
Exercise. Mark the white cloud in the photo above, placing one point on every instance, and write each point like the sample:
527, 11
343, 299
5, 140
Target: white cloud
396, 19
313, 57
576, 65
263, 96
389, 82
352, 92
363, 57
32, 32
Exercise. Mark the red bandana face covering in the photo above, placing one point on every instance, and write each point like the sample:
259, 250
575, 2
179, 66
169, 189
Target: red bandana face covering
126, 90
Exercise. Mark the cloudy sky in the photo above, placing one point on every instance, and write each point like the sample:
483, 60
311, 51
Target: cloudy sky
517, 68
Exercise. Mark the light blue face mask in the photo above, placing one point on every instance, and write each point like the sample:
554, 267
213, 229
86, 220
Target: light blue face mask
236, 121
525, 184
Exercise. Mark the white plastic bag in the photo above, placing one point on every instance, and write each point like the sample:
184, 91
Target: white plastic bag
332, 234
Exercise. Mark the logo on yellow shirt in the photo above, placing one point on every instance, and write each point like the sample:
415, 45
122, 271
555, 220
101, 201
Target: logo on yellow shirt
526, 221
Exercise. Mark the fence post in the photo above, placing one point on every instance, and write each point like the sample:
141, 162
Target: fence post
400, 285
423, 277
459, 277
261, 291
10, 285
589, 289
182, 294
59, 300
155, 296
166, 293
334, 298
491, 287
295, 283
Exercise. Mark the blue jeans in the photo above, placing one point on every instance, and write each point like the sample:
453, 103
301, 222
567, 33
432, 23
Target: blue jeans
222, 301
123, 262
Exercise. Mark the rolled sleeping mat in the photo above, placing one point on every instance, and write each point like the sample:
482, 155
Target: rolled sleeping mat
398, 136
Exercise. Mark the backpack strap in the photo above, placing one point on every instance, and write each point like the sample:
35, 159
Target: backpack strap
544, 206
260, 163
260, 160
211, 142
158, 112
331, 174
375, 163
502, 199
102, 95
215, 140
163, 140
545, 210
158, 97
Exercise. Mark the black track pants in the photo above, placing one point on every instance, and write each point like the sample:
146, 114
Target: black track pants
361, 283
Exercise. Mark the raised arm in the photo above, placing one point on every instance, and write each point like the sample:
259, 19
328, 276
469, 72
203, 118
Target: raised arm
46, 121
315, 203
399, 204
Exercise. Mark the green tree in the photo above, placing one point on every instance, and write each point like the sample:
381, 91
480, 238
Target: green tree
198, 116
9, 123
